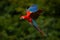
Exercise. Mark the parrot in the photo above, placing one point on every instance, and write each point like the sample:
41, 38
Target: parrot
32, 13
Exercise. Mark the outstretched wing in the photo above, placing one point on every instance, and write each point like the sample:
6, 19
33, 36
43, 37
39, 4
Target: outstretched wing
36, 14
33, 8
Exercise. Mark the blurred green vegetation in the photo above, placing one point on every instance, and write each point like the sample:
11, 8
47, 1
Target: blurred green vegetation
12, 28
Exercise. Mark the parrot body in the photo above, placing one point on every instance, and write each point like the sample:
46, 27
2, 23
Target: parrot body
32, 14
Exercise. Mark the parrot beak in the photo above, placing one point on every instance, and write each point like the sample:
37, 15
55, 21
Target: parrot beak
22, 17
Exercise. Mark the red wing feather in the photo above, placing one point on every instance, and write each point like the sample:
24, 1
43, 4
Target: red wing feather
36, 14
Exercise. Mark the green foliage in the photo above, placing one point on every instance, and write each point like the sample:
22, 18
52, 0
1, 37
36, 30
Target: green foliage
12, 28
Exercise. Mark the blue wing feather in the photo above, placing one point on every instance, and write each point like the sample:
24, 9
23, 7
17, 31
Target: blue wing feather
33, 8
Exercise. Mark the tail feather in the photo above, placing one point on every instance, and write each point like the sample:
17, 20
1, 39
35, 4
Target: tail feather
36, 26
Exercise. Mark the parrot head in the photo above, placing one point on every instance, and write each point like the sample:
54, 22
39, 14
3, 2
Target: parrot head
22, 17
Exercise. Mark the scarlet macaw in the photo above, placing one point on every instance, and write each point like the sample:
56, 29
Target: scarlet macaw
32, 14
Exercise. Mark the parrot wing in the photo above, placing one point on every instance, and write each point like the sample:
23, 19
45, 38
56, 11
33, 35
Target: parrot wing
36, 14
33, 8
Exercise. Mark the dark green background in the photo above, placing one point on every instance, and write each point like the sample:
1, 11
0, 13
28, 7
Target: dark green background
12, 28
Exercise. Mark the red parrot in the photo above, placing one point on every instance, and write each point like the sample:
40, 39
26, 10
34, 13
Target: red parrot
32, 14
